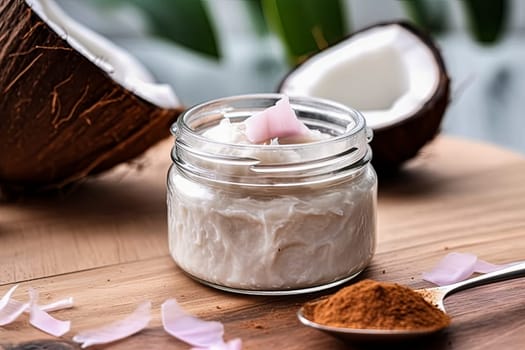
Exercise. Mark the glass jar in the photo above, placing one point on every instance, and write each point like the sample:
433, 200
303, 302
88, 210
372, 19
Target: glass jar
272, 219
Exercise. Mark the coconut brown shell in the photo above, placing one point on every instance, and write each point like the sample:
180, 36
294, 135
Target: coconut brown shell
394, 144
62, 118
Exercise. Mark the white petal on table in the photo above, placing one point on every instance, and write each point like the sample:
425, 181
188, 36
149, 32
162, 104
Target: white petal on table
234, 344
40, 319
57, 305
190, 329
455, 267
11, 311
7, 296
117, 330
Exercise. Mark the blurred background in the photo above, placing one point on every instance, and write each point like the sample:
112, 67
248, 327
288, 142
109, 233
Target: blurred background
212, 48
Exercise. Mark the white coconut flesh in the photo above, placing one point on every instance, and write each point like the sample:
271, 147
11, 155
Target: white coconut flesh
386, 72
123, 68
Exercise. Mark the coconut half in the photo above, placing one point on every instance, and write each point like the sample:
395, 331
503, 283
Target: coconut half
73, 104
394, 74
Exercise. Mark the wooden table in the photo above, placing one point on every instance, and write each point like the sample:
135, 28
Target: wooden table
105, 244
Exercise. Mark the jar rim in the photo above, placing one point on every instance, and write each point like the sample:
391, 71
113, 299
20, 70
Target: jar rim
340, 156
359, 122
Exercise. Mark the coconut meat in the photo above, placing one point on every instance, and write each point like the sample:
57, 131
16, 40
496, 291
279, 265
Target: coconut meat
117, 63
387, 73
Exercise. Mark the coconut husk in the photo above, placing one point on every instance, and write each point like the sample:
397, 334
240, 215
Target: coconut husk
62, 118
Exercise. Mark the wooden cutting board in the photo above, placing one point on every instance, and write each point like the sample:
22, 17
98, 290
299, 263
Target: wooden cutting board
104, 243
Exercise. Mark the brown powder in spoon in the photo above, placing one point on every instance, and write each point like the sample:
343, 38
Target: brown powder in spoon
377, 305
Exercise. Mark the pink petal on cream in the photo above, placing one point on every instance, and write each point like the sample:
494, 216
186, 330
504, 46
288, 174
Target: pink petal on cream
234, 344
117, 330
276, 121
11, 311
455, 267
40, 319
190, 329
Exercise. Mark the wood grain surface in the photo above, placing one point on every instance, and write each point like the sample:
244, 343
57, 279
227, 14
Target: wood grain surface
104, 243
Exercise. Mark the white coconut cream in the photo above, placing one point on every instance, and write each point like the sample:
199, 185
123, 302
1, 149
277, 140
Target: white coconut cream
291, 215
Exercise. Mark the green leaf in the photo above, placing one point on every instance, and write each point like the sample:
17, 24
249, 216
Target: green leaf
486, 19
305, 26
429, 15
255, 12
186, 22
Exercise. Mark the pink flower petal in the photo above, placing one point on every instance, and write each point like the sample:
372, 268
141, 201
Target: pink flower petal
40, 319
11, 311
276, 121
455, 267
452, 268
234, 344
190, 329
485, 267
10, 308
117, 330
7, 296
57, 305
